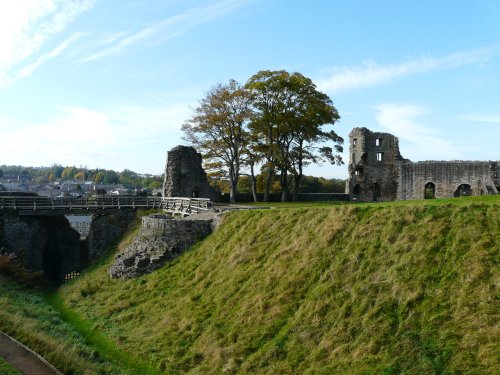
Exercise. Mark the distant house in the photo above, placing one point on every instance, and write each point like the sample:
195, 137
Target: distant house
119, 191
80, 223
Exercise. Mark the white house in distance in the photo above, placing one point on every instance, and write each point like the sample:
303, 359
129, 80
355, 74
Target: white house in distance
80, 223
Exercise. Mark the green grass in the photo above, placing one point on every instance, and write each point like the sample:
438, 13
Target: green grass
486, 199
7, 369
386, 288
38, 318
378, 288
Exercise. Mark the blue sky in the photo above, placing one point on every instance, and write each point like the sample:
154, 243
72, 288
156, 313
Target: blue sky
108, 83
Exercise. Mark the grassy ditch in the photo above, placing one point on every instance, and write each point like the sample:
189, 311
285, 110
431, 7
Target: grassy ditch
388, 288
6, 369
33, 313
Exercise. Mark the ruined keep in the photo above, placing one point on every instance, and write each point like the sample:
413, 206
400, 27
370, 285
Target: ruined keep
185, 177
378, 172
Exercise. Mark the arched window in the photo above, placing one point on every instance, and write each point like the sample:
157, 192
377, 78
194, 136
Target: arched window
463, 190
356, 190
430, 191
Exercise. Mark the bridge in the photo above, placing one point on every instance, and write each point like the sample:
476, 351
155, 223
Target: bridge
35, 205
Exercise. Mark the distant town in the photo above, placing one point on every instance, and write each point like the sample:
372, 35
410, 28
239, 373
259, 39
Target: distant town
58, 181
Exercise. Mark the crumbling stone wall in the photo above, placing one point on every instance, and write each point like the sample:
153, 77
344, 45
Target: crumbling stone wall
106, 230
41, 243
378, 172
185, 177
372, 160
49, 244
446, 177
161, 239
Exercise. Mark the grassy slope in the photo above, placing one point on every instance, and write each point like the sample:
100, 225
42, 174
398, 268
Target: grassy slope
37, 318
6, 369
350, 289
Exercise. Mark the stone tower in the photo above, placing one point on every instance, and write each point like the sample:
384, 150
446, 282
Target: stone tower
373, 159
185, 177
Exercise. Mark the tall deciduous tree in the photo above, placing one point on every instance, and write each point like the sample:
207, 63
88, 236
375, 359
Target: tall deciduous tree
289, 115
218, 129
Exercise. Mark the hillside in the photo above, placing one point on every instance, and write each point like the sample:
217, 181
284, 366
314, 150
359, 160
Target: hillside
403, 288
350, 289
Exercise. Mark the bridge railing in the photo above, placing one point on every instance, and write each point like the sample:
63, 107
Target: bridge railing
186, 205
181, 205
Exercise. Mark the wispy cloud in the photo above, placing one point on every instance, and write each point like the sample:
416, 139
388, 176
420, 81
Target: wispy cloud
25, 26
372, 73
495, 119
27, 70
420, 142
166, 29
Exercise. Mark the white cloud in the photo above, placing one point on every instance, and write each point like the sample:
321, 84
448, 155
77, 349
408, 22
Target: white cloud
495, 119
418, 142
168, 28
25, 26
371, 73
117, 138
28, 69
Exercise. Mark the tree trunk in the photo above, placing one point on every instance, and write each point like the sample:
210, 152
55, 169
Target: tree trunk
284, 185
268, 184
232, 192
254, 183
296, 186
233, 181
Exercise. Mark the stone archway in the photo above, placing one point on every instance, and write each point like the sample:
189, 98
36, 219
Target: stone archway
357, 190
464, 190
429, 190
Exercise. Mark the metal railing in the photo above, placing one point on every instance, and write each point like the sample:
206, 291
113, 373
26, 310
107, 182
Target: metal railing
175, 205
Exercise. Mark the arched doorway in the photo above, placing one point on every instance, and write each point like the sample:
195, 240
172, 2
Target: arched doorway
429, 191
357, 190
463, 190
377, 191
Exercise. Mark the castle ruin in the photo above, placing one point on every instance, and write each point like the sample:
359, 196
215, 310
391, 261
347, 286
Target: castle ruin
185, 177
378, 172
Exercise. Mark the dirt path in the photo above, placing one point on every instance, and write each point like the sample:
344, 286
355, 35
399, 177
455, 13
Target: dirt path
23, 359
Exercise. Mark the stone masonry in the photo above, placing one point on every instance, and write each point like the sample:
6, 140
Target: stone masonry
45, 244
51, 245
378, 172
185, 177
161, 239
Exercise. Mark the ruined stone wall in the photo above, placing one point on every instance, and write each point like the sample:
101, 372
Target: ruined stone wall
185, 177
372, 161
51, 245
446, 176
377, 171
160, 239
41, 243
106, 230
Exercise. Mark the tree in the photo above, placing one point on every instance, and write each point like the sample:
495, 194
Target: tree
110, 177
1, 173
80, 176
99, 177
289, 113
218, 129
57, 170
268, 100
69, 172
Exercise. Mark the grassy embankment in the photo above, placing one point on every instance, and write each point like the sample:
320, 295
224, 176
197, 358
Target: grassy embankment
400, 288
31, 312
6, 369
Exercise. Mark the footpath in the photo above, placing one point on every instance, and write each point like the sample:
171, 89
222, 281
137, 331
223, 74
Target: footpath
24, 359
